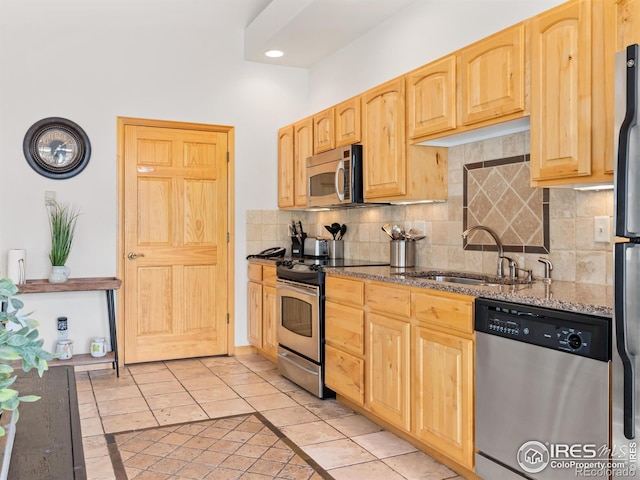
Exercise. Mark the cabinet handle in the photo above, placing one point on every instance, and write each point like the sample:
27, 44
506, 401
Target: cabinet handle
133, 255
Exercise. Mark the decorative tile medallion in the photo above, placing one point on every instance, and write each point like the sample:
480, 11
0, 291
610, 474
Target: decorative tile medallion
497, 194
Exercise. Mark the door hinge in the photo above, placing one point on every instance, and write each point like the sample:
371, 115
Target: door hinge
227, 319
228, 237
228, 157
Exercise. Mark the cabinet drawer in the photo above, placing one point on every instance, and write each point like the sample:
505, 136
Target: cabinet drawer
269, 275
385, 298
344, 374
344, 290
450, 311
344, 327
254, 272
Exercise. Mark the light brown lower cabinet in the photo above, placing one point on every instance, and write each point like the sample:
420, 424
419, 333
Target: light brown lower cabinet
387, 379
442, 400
405, 356
262, 309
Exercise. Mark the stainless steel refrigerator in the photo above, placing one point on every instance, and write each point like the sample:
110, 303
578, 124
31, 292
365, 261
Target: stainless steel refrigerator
626, 282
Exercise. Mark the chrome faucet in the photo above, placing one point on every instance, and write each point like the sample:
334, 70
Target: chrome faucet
500, 271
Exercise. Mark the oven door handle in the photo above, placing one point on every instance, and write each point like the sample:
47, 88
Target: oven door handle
284, 356
308, 293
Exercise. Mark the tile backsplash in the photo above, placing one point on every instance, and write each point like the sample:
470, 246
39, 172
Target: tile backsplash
575, 255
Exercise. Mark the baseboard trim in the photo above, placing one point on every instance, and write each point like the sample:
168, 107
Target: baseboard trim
245, 350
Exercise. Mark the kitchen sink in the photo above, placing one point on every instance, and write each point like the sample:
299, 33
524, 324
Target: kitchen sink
464, 278
454, 279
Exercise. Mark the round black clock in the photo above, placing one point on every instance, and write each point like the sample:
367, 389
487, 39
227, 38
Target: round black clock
56, 148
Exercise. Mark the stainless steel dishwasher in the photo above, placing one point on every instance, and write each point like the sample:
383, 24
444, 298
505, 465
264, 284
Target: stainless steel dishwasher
542, 392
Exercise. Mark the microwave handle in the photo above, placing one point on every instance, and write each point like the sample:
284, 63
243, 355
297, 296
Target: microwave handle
338, 170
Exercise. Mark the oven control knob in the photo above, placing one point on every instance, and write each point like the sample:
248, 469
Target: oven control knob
314, 267
575, 341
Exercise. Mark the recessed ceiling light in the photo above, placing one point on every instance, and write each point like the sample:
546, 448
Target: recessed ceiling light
274, 53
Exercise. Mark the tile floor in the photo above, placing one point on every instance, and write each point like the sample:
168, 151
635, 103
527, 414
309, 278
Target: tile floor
342, 442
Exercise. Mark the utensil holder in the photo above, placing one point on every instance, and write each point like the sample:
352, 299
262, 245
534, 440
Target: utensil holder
336, 249
402, 254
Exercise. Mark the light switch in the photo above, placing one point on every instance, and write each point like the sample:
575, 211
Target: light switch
602, 233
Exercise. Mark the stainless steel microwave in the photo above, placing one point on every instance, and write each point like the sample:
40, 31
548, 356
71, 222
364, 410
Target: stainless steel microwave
334, 178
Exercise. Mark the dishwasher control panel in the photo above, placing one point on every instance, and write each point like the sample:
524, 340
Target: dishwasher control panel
579, 334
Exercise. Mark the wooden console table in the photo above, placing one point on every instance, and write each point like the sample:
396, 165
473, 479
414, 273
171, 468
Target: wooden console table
109, 285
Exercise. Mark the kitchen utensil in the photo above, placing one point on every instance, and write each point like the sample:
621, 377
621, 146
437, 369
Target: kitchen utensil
417, 238
343, 230
330, 230
386, 228
397, 233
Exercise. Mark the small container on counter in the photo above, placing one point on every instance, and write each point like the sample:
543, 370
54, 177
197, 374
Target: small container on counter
402, 253
65, 349
98, 347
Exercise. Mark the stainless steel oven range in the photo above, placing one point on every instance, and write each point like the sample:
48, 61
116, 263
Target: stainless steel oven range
300, 298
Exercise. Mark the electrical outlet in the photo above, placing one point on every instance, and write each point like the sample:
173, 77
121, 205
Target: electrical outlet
49, 198
602, 233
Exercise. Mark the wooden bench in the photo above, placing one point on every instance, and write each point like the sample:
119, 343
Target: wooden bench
48, 443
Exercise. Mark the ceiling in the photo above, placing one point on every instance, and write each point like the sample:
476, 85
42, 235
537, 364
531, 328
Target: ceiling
307, 31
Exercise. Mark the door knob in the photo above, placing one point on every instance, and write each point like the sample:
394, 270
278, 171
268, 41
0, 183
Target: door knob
133, 255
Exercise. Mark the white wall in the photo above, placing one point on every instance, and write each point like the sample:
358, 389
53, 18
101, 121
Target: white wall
424, 31
92, 61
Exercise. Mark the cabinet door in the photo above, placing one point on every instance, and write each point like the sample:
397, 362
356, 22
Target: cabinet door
286, 195
443, 393
254, 313
269, 322
344, 327
302, 148
344, 373
383, 138
561, 92
387, 364
492, 74
628, 23
431, 98
348, 124
323, 131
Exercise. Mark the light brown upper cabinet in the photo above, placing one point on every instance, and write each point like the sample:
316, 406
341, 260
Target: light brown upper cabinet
492, 76
295, 144
431, 98
394, 170
286, 194
571, 94
323, 131
348, 122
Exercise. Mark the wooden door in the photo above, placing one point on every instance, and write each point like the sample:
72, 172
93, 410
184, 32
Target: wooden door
286, 194
348, 128
254, 313
323, 131
383, 137
443, 393
431, 98
175, 234
492, 74
302, 148
561, 92
387, 364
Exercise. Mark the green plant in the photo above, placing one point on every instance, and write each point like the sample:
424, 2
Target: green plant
63, 226
18, 341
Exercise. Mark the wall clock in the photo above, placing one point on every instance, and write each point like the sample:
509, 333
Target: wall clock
56, 148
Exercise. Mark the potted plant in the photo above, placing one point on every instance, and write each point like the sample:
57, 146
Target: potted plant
62, 223
18, 342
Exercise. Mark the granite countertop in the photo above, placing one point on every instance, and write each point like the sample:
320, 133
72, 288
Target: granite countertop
572, 296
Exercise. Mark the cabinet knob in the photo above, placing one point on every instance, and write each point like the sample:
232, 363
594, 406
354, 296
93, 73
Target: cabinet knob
133, 255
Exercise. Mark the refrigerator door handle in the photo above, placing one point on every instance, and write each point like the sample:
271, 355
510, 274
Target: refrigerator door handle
624, 219
625, 281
